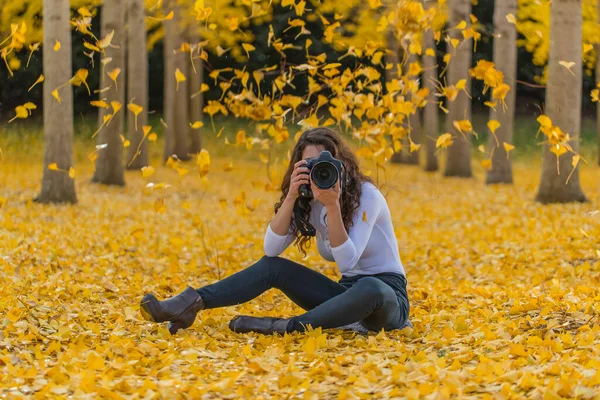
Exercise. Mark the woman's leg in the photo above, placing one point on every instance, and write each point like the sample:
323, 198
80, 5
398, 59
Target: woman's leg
369, 300
305, 287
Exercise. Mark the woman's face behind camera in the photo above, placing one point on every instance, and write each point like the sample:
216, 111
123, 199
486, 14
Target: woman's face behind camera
312, 151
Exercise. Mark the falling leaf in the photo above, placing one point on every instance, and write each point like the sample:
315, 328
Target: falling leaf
248, 48
147, 171
511, 19
56, 46
568, 65
21, 112
508, 148
39, 80
113, 75
55, 95
197, 125
106, 41
444, 141
179, 77
53, 167
72, 173
136, 110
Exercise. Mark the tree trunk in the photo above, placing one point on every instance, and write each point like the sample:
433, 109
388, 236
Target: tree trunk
459, 154
176, 97
430, 113
169, 43
137, 82
109, 165
415, 126
563, 102
197, 102
505, 58
57, 186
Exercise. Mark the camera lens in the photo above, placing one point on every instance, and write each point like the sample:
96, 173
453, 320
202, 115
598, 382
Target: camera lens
324, 175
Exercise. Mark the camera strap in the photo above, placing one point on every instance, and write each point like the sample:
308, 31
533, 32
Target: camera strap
301, 216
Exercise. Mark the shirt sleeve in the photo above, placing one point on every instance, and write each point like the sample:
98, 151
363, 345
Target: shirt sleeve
348, 253
275, 244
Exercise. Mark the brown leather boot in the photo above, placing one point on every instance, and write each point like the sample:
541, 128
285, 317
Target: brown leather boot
265, 325
180, 310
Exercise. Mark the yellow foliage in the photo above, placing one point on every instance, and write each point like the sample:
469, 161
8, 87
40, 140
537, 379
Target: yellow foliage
505, 317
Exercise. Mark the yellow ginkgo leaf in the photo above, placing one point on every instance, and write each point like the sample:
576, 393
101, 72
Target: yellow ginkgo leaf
113, 75
72, 173
486, 164
248, 48
461, 25
55, 95
116, 106
81, 78
568, 65
444, 140
511, 19
53, 167
21, 112
99, 103
413, 146
136, 110
508, 147
152, 137
197, 125
39, 80
56, 46
147, 171
105, 42
179, 77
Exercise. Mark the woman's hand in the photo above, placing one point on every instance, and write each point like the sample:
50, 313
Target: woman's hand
330, 198
299, 177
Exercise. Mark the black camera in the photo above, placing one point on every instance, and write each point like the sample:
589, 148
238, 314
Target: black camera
325, 171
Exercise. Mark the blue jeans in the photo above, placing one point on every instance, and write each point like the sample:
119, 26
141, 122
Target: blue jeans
377, 301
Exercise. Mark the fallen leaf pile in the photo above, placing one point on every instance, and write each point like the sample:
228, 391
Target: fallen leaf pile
504, 292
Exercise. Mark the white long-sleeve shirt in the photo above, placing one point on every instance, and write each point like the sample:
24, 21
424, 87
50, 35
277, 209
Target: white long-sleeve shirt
371, 247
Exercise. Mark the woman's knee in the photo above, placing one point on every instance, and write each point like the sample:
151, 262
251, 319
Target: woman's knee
373, 288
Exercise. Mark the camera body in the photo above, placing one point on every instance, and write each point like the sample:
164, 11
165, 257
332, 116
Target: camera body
325, 171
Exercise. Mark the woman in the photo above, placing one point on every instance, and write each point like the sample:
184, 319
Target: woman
353, 228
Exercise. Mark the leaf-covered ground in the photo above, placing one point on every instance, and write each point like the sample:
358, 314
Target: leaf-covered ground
504, 292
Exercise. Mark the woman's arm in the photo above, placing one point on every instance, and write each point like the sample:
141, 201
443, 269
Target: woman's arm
278, 236
280, 224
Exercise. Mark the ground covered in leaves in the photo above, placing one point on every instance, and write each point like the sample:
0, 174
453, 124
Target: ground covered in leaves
504, 292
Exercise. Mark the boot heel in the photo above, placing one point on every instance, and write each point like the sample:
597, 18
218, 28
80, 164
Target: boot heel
177, 325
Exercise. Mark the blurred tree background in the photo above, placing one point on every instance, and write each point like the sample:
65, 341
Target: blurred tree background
13, 92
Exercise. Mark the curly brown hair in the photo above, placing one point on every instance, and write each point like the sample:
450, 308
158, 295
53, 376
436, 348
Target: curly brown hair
353, 178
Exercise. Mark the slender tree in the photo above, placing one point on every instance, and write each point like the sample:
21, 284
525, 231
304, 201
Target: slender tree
414, 120
563, 102
137, 82
392, 59
197, 101
505, 58
182, 97
169, 45
176, 97
109, 165
430, 112
57, 185
459, 154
